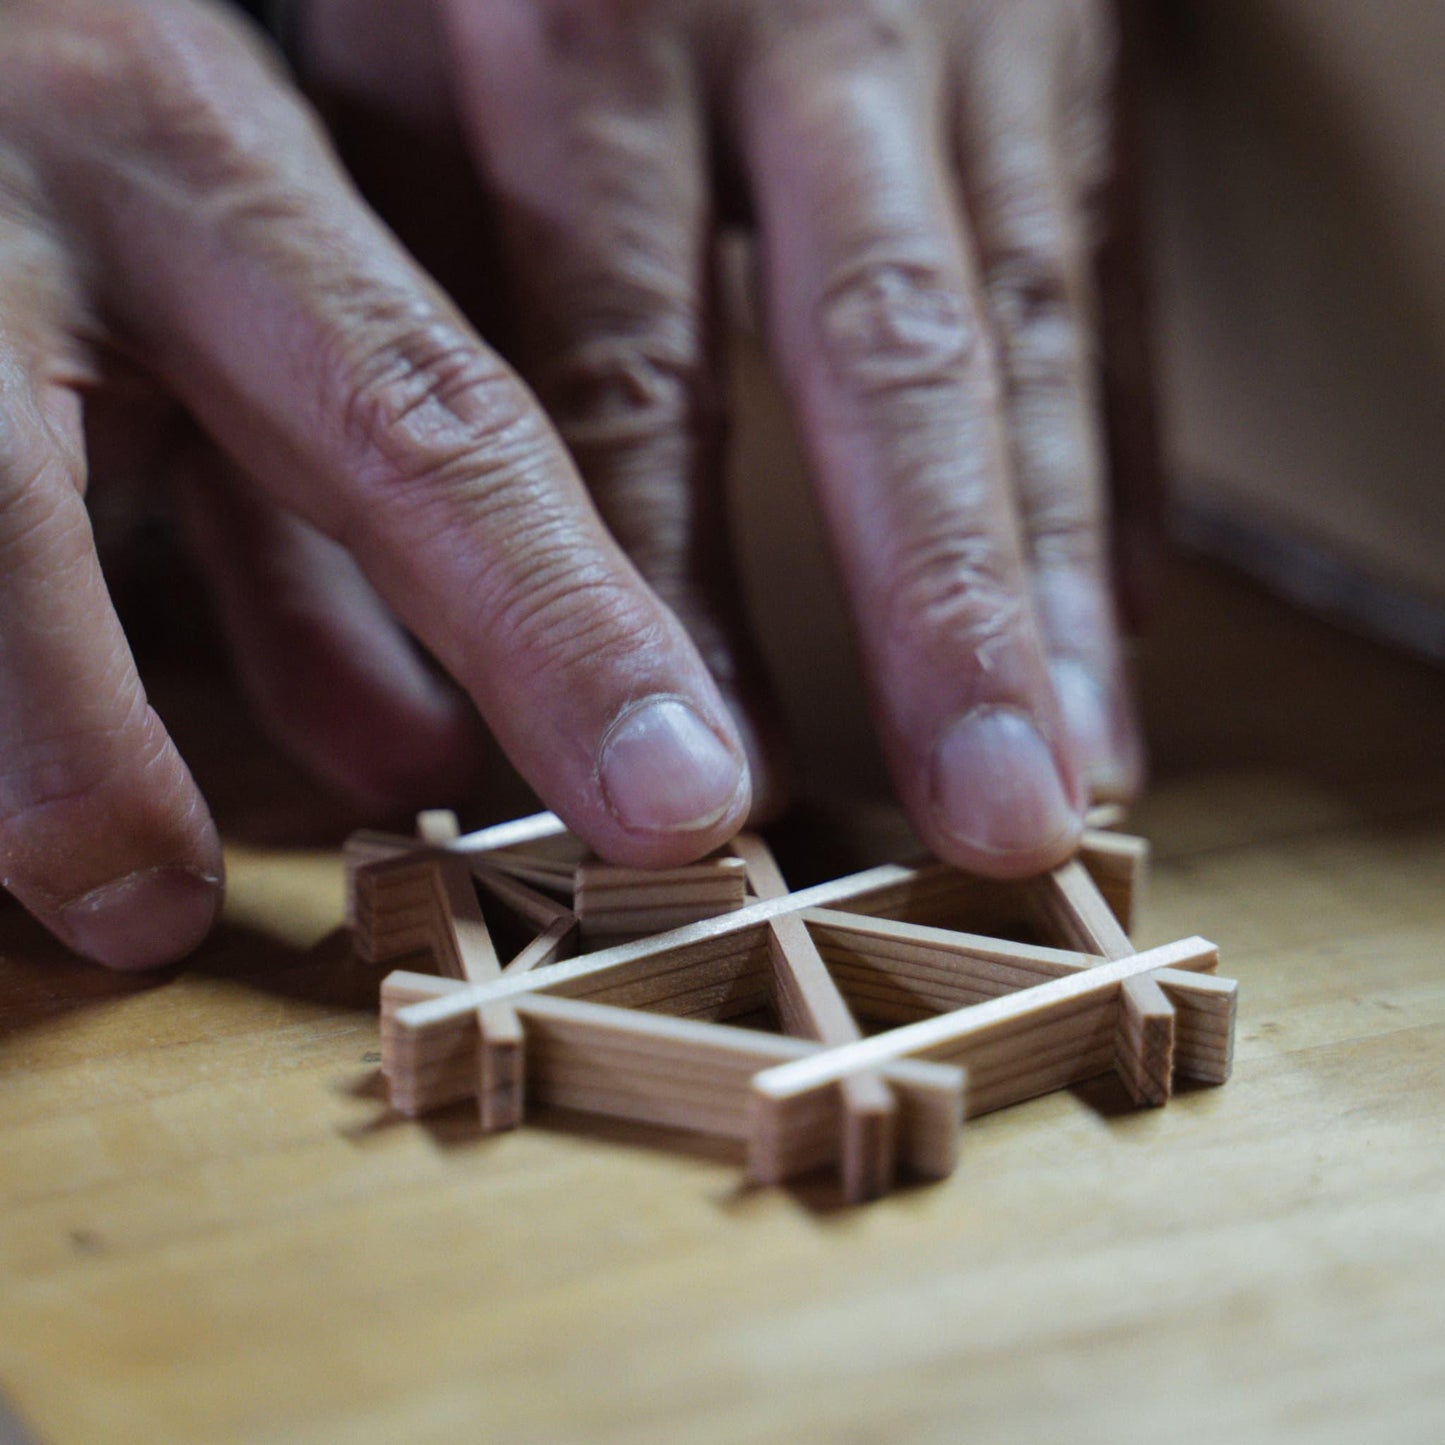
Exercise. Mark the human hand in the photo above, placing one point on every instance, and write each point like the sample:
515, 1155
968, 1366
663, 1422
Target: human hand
173, 221
925, 178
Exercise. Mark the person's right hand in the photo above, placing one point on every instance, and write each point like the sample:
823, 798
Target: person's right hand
169, 210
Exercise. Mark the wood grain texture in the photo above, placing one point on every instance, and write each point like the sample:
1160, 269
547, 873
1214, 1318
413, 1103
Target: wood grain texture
213, 1230
810, 1005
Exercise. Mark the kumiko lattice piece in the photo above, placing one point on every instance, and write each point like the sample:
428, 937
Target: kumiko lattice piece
902, 999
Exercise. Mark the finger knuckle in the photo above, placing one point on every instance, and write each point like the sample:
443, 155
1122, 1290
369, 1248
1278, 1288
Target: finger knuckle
887, 325
624, 390
158, 81
1065, 529
572, 612
1031, 301
422, 403
956, 588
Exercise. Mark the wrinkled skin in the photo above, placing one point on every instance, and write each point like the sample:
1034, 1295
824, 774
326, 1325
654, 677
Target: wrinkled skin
181, 248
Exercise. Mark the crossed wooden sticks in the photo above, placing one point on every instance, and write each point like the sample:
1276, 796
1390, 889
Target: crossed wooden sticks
618, 1001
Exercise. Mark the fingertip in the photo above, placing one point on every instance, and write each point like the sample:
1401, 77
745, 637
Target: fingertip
1002, 804
145, 919
675, 784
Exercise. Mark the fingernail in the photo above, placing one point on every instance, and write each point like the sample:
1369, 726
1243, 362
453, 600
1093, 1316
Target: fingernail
996, 787
664, 770
1109, 773
144, 919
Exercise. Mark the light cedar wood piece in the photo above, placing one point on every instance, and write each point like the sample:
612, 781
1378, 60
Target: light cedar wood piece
643, 1029
810, 1005
614, 903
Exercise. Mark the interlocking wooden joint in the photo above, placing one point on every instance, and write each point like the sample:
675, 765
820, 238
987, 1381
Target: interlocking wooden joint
903, 1001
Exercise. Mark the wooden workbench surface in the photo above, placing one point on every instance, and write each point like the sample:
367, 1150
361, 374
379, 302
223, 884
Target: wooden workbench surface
210, 1228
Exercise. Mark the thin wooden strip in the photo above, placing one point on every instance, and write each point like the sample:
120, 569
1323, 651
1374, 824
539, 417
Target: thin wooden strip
392, 869
698, 1061
527, 903
931, 1096
942, 994
470, 936
945, 896
409, 1050
609, 877
738, 961
765, 878
1119, 866
500, 1039
886, 933
458, 1066
792, 1138
632, 1058
501, 1067
635, 1069
644, 953
516, 833
1006, 1035
372, 845
955, 1030
695, 993
1067, 901
1019, 1088
383, 915
437, 827
387, 917
554, 942
415, 1092
882, 1014
402, 987
657, 1109
1086, 1030
811, 1006
1207, 1010
364, 908
362, 853
607, 927
865, 992
973, 974
557, 880
1145, 1031
883, 1002
1203, 991
903, 939
1144, 1041
609, 1031
384, 925
983, 975
395, 890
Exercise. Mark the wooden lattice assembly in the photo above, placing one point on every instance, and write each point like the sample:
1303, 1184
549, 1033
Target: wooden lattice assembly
618, 1000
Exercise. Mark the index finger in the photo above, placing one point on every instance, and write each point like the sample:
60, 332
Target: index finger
238, 259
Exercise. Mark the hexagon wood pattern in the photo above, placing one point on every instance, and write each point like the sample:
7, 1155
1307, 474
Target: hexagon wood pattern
901, 1005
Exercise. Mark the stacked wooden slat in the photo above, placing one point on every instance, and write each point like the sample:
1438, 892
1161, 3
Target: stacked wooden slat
636, 1029
616, 904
